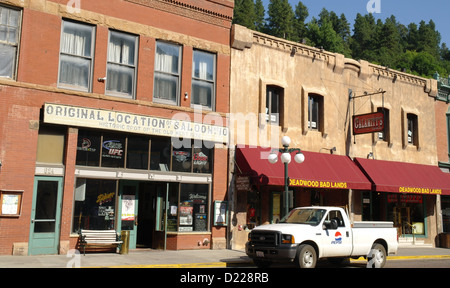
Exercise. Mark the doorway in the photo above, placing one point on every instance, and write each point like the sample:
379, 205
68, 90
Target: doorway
45, 216
145, 203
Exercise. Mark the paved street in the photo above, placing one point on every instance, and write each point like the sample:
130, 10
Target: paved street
200, 259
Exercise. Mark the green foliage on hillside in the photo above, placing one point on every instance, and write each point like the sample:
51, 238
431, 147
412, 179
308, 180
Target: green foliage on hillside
415, 48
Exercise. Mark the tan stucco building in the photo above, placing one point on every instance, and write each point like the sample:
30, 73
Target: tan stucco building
279, 88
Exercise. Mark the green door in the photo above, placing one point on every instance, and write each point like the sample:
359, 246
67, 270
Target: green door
45, 216
128, 209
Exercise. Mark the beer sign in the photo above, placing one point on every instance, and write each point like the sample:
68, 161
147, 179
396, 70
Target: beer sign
368, 123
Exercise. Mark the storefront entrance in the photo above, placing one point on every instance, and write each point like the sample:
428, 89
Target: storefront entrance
404, 210
45, 216
142, 212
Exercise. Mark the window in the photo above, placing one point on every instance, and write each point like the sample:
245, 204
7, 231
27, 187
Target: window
160, 154
137, 155
167, 73
182, 158
412, 129
10, 20
121, 66
113, 151
203, 79
88, 148
50, 148
76, 56
193, 209
202, 158
273, 95
95, 204
336, 215
385, 135
315, 108
116, 150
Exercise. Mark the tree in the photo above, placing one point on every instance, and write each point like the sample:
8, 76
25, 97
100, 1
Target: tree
259, 16
244, 13
364, 38
321, 34
301, 13
428, 39
389, 42
280, 22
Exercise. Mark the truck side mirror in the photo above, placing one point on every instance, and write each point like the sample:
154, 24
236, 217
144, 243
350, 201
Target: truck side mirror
330, 224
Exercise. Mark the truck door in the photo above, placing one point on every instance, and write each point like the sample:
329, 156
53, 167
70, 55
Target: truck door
337, 242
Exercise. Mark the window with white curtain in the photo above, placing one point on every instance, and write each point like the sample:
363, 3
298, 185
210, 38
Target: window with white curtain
9, 41
167, 73
121, 66
76, 56
203, 79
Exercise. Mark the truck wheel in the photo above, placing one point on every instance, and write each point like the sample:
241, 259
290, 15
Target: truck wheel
306, 256
377, 256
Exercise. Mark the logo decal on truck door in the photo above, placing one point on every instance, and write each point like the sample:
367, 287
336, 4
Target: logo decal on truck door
337, 238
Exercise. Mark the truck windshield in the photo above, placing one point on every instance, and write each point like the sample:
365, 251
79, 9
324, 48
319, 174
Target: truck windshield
305, 216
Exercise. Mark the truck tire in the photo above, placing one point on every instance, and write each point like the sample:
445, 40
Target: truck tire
377, 256
306, 256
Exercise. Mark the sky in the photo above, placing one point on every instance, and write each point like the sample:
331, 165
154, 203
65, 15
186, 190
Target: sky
405, 11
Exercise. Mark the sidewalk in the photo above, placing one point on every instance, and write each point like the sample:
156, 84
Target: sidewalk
173, 259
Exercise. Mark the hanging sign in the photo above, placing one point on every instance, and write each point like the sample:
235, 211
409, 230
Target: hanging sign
368, 123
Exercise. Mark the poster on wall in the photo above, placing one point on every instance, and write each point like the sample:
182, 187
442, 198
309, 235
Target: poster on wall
11, 202
220, 213
186, 215
128, 203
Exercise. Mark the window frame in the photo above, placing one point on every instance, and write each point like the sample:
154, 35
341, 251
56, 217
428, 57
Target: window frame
385, 135
133, 66
90, 58
317, 101
412, 120
17, 44
178, 75
270, 89
203, 80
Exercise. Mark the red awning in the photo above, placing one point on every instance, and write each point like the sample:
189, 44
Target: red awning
319, 170
400, 177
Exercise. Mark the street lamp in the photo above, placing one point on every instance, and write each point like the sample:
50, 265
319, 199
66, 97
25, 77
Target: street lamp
286, 159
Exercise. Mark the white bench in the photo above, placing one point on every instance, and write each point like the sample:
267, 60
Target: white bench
99, 238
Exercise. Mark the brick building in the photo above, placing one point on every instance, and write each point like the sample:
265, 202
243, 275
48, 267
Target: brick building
110, 109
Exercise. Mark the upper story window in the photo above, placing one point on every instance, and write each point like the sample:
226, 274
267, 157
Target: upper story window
76, 56
273, 95
315, 112
385, 135
413, 137
10, 20
121, 66
167, 73
203, 79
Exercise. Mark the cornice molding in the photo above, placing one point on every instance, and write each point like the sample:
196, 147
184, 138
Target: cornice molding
190, 11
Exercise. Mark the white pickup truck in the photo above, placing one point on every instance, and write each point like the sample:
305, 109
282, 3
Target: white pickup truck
311, 233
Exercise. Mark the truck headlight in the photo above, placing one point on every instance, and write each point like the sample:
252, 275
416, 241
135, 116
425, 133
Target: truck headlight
287, 239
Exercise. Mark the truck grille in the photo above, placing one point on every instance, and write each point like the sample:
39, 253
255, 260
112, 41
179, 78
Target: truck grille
265, 238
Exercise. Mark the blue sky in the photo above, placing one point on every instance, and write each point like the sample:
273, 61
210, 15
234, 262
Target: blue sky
405, 11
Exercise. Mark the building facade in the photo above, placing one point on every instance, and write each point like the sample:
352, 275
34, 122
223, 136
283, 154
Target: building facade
111, 118
443, 144
330, 107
